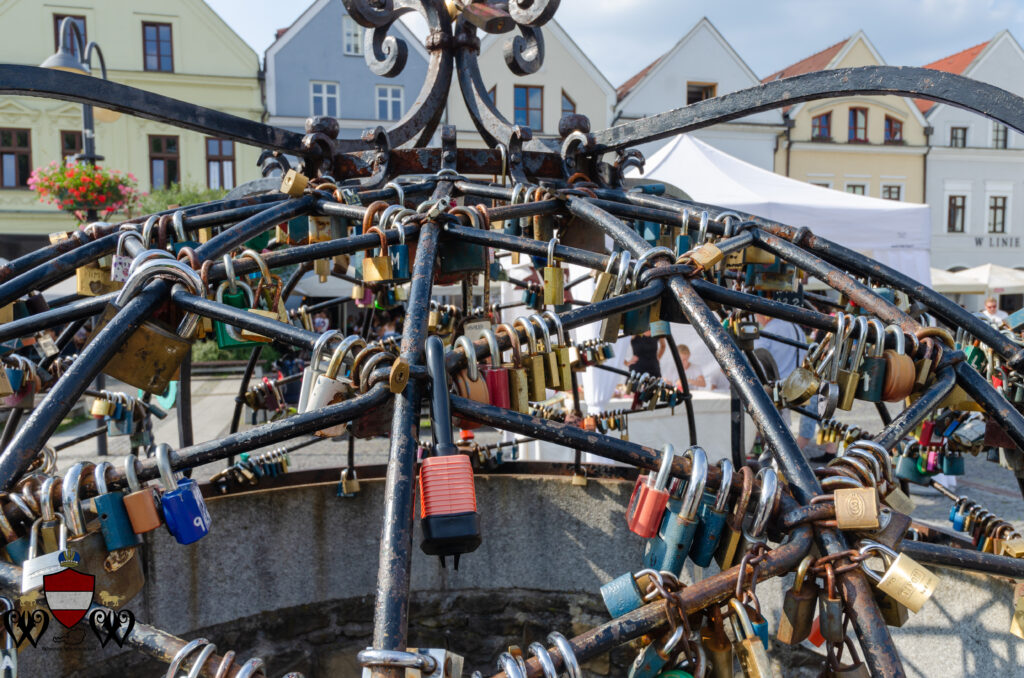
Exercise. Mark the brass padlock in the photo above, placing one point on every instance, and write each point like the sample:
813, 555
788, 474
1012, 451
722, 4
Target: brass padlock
857, 508
849, 371
552, 375
378, 269
904, 580
554, 278
150, 356
294, 184
749, 649
611, 324
93, 281
518, 382
563, 355
532, 361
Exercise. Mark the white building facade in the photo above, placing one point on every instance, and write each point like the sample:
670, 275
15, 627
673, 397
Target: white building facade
975, 167
702, 65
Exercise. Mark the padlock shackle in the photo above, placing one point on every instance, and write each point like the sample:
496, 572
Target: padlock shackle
551, 252
530, 334
880, 453
321, 345
383, 240
493, 347
163, 464
99, 476
69, 498
545, 332
124, 236
441, 425
878, 328
176, 269
147, 230
862, 338
702, 231
341, 352
741, 617
724, 485
801, 573
769, 485
622, 275
466, 345
698, 479
473, 215
570, 663
46, 511
901, 339
559, 330
668, 453
645, 259
248, 253
513, 336
887, 555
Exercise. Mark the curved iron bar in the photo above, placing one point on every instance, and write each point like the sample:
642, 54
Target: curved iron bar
923, 83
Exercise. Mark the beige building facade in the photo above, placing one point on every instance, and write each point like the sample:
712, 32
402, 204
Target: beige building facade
873, 146
182, 50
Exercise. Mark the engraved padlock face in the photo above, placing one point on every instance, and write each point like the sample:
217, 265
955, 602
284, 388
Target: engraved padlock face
187, 517
857, 508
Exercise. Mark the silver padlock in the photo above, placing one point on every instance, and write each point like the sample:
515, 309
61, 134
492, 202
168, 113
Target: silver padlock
316, 365
37, 566
330, 387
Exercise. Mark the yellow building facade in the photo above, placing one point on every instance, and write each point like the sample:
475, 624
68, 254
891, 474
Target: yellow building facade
180, 49
869, 145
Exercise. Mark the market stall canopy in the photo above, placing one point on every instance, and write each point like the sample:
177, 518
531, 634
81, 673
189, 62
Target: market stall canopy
948, 282
895, 233
994, 279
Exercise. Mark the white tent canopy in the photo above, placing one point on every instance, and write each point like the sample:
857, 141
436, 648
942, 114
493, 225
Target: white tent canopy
895, 233
992, 279
947, 282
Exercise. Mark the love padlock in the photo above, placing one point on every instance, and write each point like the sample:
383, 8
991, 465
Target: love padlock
185, 512
650, 498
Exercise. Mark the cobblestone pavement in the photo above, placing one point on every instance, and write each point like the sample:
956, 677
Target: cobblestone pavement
213, 405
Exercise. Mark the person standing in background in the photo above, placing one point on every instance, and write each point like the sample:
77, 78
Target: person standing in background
993, 313
646, 354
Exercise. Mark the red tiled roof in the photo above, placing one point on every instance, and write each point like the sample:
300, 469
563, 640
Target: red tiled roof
625, 88
956, 63
815, 62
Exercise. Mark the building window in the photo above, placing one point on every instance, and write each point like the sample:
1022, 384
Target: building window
70, 143
699, 91
997, 214
389, 102
157, 52
220, 163
821, 127
856, 189
891, 191
325, 98
893, 130
164, 161
492, 94
568, 105
858, 125
15, 157
958, 137
353, 37
956, 209
529, 107
998, 135
73, 44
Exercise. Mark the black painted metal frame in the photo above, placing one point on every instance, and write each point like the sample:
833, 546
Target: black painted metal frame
367, 164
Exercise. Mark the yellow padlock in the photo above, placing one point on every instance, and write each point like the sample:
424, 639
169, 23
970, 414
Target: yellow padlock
378, 269
554, 278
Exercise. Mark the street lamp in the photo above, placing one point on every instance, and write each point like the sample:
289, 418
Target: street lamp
68, 59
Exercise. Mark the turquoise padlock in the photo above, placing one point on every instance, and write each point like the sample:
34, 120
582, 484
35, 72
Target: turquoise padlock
713, 513
669, 549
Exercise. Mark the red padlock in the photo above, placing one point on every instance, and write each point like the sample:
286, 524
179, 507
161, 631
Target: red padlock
926, 433
650, 497
495, 375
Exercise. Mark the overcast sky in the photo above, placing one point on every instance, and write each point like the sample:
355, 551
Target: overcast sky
623, 36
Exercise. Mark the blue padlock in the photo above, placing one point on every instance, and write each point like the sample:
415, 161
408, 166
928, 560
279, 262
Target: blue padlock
650, 231
185, 512
668, 550
907, 469
713, 512
15, 375
953, 464
400, 258
622, 594
654, 658
114, 522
